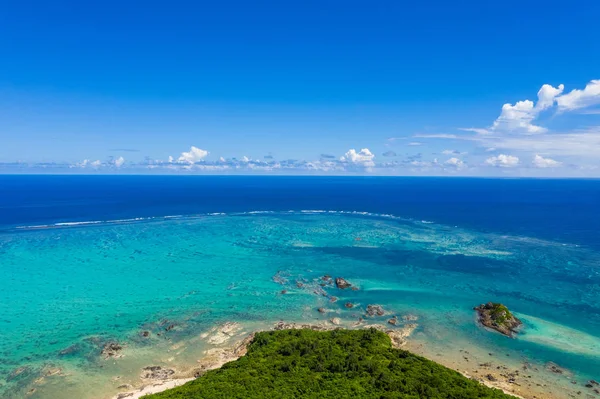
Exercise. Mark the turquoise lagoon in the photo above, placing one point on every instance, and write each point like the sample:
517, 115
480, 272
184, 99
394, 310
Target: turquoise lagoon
67, 289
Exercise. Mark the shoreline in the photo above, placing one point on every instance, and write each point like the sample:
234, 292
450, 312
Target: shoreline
217, 357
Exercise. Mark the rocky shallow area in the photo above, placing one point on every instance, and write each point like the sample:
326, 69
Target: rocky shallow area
229, 341
229, 347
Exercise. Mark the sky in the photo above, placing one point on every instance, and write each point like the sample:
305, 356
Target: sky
463, 88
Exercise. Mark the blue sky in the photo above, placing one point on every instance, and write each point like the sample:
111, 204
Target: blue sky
327, 87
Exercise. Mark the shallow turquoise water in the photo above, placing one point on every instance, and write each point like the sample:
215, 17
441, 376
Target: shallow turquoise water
77, 287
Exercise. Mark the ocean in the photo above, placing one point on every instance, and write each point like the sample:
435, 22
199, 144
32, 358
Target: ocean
87, 260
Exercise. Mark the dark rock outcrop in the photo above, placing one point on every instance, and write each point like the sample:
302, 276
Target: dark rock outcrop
156, 373
341, 283
375, 310
111, 349
349, 305
497, 317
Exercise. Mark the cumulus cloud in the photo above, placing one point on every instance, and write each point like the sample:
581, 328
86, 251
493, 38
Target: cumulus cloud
118, 162
578, 99
547, 95
520, 128
364, 157
502, 160
541, 162
87, 163
194, 155
389, 154
454, 162
520, 116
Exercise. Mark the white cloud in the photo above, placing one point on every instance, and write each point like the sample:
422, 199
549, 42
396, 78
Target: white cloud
582, 143
194, 155
577, 99
119, 162
245, 159
171, 159
519, 118
363, 157
86, 162
502, 160
547, 95
454, 162
414, 143
541, 162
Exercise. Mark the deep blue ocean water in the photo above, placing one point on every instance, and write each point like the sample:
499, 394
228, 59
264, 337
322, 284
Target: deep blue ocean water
563, 210
88, 259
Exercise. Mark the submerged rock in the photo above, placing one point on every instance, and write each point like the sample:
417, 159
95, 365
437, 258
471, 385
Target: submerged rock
497, 317
373, 310
111, 349
349, 305
555, 368
393, 321
18, 372
156, 373
281, 277
322, 310
341, 283
70, 350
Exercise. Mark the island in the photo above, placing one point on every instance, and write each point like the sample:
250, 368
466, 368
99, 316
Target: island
304, 363
497, 317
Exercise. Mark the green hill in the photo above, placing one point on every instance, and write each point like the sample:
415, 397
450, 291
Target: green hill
330, 364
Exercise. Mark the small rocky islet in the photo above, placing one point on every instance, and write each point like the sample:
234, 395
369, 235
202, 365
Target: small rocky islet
496, 316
